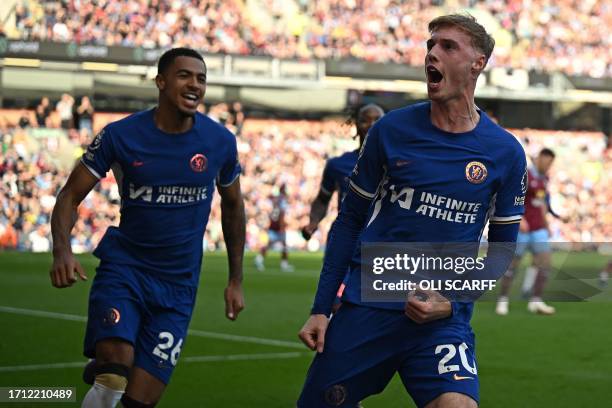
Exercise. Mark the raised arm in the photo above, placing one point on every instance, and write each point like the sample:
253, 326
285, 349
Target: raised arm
79, 184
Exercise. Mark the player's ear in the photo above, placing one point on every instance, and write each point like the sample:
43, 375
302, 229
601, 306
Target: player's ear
160, 82
478, 65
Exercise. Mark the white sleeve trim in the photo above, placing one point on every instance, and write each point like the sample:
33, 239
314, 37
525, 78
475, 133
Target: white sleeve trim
91, 170
228, 184
325, 191
361, 191
506, 219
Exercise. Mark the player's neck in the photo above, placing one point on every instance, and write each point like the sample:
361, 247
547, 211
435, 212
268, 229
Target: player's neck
171, 121
455, 115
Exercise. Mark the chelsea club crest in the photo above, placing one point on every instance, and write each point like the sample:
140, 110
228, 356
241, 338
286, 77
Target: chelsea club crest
475, 172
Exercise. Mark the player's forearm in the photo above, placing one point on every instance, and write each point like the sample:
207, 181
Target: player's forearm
63, 218
342, 241
500, 253
502, 238
318, 210
502, 247
233, 223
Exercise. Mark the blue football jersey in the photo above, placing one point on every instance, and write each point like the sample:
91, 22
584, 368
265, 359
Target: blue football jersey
336, 173
166, 182
428, 185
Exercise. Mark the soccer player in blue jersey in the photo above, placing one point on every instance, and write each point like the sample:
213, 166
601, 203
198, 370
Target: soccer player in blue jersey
167, 162
338, 169
414, 162
336, 173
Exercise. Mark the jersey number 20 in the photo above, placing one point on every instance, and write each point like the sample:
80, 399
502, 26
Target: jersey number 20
452, 351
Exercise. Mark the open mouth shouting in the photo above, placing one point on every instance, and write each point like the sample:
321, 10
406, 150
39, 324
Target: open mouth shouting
434, 77
191, 99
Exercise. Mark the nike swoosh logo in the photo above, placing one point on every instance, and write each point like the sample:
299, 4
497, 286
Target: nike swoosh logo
459, 378
137, 163
401, 163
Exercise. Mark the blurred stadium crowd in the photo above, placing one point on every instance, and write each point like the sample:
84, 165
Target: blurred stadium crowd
272, 152
542, 35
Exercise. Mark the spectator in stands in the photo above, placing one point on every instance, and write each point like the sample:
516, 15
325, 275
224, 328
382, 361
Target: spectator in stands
24, 19
8, 233
64, 109
24, 119
84, 113
8, 236
536, 35
43, 111
238, 117
294, 151
39, 239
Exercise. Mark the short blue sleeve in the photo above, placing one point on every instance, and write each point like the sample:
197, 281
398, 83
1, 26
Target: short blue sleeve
370, 168
100, 154
230, 170
510, 198
328, 185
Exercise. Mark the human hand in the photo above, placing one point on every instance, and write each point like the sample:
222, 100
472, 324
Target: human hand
308, 230
424, 306
65, 269
234, 299
313, 332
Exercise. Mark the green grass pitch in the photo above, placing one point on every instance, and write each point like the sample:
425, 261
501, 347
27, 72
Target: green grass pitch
524, 360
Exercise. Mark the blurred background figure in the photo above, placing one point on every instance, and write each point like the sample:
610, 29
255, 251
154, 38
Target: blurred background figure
534, 236
84, 115
43, 111
276, 231
337, 169
64, 110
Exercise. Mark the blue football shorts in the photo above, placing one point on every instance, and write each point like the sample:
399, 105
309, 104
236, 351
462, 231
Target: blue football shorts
150, 313
365, 347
